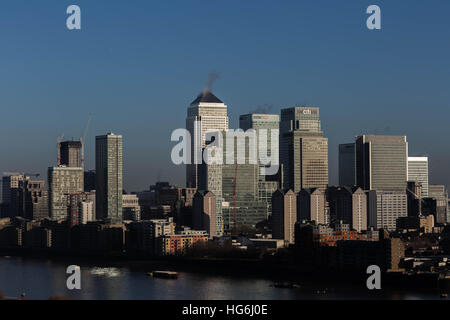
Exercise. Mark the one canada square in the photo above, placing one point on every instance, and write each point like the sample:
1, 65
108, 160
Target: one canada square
207, 113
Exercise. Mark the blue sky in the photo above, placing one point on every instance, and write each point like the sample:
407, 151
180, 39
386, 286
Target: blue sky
136, 66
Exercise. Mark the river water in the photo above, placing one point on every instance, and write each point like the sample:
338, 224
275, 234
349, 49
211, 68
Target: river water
42, 278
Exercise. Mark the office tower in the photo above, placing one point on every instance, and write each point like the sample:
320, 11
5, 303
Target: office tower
204, 212
418, 171
108, 168
284, 215
347, 166
311, 206
205, 114
130, 207
414, 196
271, 124
89, 181
303, 149
381, 162
349, 205
385, 207
70, 154
63, 181
439, 194
81, 208
241, 206
10, 185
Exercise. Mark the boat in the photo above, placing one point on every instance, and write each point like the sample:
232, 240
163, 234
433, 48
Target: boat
444, 295
286, 285
164, 274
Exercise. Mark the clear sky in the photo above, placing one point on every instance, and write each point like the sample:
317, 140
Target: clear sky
136, 66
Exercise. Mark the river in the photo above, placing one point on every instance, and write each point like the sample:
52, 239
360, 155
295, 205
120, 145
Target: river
42, 278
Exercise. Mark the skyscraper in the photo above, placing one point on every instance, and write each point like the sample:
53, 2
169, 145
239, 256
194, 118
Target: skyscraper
108, 165
269, 175
347, 165
418, 171
207, 113
63, 181
10, 186
303, 149
381, 162
70, 153
270, 123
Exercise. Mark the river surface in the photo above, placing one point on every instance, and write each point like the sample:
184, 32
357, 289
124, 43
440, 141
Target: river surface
42, 278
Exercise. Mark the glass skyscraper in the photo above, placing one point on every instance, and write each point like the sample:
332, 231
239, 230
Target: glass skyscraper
303, 149
418, 171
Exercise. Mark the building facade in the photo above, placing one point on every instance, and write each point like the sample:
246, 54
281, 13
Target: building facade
347, 166
284, 215
303, 149
63, 181
418, 171
381, 162
109, 184
206, 113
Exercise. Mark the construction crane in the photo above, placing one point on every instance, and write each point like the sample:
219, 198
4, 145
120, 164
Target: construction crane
83, 138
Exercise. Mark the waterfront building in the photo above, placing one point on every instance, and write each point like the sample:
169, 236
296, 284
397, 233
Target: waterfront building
63, 181
204, 212
109, 184
81, 208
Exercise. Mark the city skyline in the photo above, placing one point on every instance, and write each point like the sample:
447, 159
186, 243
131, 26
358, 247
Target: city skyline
147, 97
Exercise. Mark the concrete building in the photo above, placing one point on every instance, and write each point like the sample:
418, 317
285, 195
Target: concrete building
81, 208
205, 114
311, 206
10, 186
303, 149
70, 153
284, 215
414, 196
204, 212
349, 205
381, 162
36, 199
109, 184
347, 166
131, 208
418, 171
385, 207
63, 181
